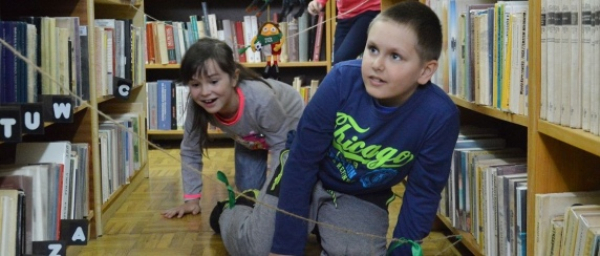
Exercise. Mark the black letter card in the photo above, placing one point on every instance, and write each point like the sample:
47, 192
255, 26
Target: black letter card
10, 124
122, 88
58, 108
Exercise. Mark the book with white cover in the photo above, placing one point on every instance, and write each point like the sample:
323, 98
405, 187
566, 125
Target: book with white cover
552, 204
58, 152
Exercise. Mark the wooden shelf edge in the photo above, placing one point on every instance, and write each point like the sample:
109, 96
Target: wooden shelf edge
177, 132
106, 98
249, 65
46, 124
467, 238
120, 195
574, 137
521, 120
165, 132
118, 2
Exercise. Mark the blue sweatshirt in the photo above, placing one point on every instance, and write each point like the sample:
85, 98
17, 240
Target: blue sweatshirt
355, 146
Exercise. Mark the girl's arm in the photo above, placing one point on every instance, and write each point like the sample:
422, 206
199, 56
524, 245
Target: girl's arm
191, 160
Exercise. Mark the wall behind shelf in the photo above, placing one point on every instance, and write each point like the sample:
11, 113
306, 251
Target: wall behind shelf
286, 75
180, 10
515, 135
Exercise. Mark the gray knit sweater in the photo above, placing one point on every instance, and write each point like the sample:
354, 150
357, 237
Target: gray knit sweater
267, 112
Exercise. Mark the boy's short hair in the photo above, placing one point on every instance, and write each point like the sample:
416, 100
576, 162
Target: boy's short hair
423, 21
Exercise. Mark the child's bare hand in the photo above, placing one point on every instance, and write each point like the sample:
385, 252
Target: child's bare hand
191, 206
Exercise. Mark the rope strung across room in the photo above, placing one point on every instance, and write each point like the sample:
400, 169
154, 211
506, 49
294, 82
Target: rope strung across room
232, 193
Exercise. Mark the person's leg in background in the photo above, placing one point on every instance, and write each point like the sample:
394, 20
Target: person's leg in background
250, 168
351, 36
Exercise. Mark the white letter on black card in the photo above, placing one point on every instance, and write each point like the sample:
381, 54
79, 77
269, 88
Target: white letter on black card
54, 249
32, 124
78, 235
62, 109
8, 123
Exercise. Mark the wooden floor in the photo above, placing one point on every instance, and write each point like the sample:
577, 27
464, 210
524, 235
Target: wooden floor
138, 228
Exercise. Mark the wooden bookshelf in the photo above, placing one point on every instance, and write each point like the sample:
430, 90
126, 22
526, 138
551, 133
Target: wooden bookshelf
119, 197
180, 11
84, 128
488, 111
574, 137
178, 134
467, 238
110, 97
559, 158
135, 3
114, 9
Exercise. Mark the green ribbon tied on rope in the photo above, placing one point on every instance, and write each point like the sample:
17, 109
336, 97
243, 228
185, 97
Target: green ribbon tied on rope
414, 246
223, 178
262, 41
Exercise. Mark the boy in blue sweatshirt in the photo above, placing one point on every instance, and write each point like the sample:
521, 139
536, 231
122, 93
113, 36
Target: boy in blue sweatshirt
371, 124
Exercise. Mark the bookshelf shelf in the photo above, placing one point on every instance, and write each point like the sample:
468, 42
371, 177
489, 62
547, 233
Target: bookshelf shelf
120, 195
136, 3
251, 65
467, 238
574, 137
165, 132
110, 97
492, 112
559, 158
70, 19
179, 134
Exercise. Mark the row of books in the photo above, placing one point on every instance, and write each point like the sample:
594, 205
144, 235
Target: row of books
53, 177
570, 49
55, 44
567, 223
59, 46
167, 41
167, 102
120, 151
486, 59
118, 53
12, 221
487, 192
307, 91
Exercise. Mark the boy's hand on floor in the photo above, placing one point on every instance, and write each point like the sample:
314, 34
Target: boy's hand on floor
190, 206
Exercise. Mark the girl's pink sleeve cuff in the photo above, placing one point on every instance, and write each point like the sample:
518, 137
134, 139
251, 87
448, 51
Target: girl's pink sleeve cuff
189, 197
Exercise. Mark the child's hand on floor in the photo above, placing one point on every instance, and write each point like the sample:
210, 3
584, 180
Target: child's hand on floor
190, 206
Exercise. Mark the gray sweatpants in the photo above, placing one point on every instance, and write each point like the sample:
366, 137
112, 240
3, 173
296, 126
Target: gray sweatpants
348, 215
249, 231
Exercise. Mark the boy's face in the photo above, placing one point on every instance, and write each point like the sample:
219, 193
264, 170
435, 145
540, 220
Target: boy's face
391, 66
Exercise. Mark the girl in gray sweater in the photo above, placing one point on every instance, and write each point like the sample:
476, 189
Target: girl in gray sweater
255, 112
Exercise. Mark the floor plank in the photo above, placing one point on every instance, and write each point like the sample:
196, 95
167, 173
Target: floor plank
137, 228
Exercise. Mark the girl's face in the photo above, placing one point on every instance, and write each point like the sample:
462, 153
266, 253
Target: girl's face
214, 90
391, 66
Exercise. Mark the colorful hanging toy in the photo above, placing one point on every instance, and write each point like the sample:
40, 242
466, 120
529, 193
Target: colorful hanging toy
268, 41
